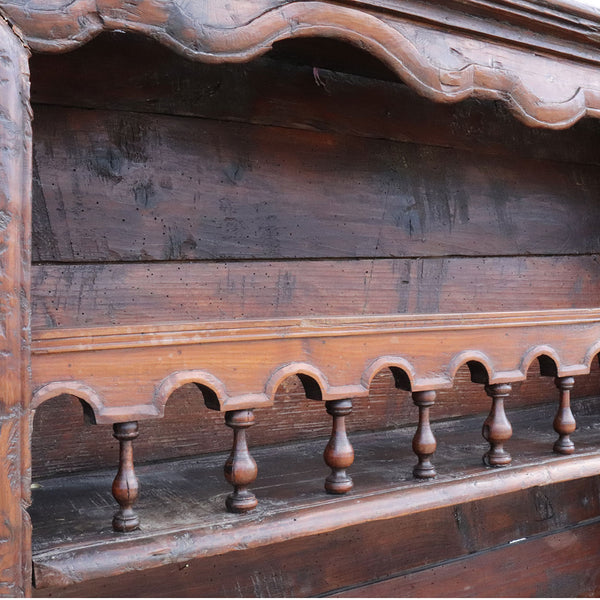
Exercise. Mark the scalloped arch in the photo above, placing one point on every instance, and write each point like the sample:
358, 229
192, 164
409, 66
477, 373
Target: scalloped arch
300, 368
537, 352
215, 389
74, 388
212, 32
471, 356
388, 362
592, 352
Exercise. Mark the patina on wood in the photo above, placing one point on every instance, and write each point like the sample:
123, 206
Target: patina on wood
15, 211
469, 57
541, 61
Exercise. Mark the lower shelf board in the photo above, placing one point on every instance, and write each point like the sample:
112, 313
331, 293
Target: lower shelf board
301, 541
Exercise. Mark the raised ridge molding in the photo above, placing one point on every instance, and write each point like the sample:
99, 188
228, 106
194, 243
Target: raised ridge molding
127, 373
540, 58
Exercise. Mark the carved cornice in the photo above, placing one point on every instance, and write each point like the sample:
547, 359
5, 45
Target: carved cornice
541, 58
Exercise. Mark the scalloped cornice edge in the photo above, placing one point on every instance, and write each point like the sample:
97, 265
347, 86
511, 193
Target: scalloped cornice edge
445, 67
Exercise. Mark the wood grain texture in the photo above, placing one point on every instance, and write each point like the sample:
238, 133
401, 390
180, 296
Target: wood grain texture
256, 192
353, 95
558, 564
63, 443
104, 295
376, 549
15, 212
474, 510
445, 65
240, 364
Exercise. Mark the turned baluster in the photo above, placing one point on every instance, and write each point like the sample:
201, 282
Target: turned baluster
125, 486
339, 454
496, 428
564, 422
424, 443
240, 467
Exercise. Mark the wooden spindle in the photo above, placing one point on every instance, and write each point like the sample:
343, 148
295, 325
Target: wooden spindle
564, 422
125, 486
424, 443
240, 467
339, 454
496, 428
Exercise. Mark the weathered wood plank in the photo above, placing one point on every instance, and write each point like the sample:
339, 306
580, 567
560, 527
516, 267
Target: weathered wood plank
467, 518
445, 64
556, 565
349, 96
185, 189
86, 295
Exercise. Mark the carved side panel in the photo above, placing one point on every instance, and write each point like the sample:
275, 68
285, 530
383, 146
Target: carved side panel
15, 170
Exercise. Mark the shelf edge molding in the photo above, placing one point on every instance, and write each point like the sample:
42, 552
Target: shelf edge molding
128, 373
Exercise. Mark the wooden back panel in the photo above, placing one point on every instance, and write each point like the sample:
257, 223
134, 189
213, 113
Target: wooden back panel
235, 192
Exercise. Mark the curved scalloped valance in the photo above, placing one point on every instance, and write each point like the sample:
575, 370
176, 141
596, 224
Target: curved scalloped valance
541, 59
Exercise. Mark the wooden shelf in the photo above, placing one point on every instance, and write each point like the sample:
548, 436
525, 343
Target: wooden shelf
183, 518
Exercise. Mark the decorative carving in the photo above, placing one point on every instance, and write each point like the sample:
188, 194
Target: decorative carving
446, 65
240, 467
15, 193
282, 345
424, 443
339, 454
496, 428
125, 486
564, 421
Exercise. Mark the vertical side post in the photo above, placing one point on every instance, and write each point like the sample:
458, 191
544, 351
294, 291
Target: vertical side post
15, 260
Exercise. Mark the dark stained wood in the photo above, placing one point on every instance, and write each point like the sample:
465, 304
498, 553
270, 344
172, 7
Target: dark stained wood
425, 225
564, 422
284, 92
240, 467
497, 428
127, 294
339, 454
424, 443
63, 443
519, 502
125, 487
558, 565
374, 549
403, 38
246, 191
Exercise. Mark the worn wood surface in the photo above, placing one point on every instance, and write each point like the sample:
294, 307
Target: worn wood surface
474, 509
63, 443
561, 564
240, 364
350, 93
257, 192
15, 257
273, 183
79, 296
465, 58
